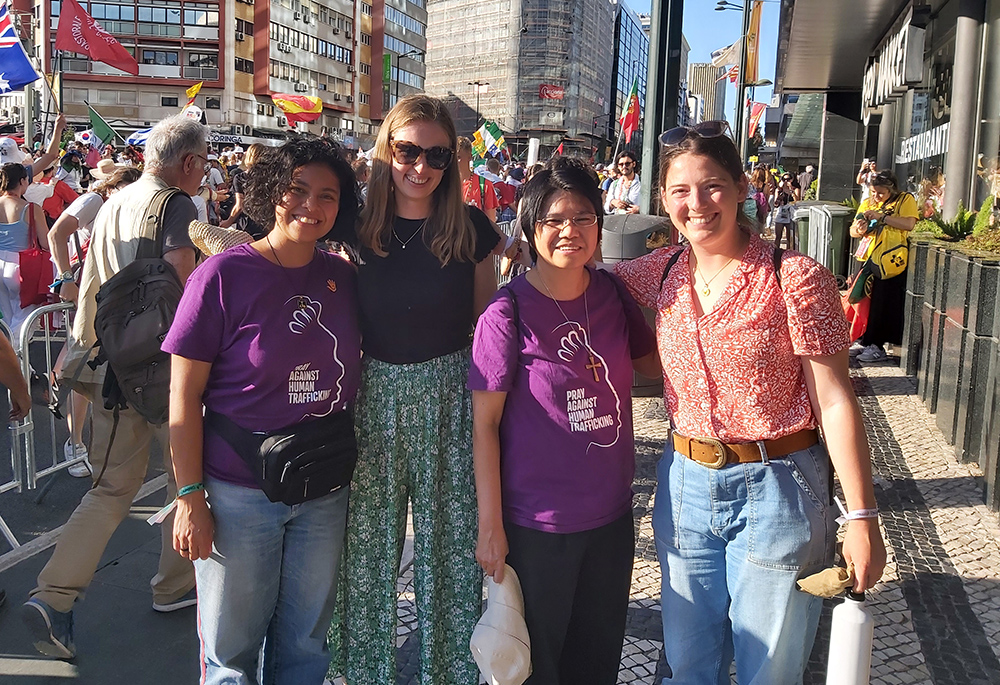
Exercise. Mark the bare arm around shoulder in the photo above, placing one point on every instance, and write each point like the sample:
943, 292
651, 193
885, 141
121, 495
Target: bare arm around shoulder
485, 285
836, 408
491, 547
194, 527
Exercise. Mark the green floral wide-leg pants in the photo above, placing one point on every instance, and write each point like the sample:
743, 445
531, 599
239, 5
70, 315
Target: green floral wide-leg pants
414, 427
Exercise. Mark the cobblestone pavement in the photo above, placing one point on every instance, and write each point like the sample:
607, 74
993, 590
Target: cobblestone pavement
937, 609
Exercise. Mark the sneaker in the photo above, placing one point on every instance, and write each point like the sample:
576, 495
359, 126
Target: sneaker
856, 349
52, 630
189, 599
873, 353
71, 451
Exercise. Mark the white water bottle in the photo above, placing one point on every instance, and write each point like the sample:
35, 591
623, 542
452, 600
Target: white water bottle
851, 631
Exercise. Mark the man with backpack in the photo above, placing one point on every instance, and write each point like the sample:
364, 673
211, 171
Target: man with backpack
145, 223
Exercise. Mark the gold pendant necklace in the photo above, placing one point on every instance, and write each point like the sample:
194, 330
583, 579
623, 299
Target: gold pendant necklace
705, 289
594, 364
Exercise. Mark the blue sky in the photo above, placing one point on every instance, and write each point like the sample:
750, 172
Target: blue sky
707, 30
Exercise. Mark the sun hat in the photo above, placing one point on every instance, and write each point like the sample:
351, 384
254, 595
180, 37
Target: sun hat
104, 169
212, 240
500, 643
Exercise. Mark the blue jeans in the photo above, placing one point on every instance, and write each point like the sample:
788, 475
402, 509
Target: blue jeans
266, 594
731, 544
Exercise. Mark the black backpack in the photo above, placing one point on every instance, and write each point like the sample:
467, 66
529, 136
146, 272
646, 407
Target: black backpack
135, 308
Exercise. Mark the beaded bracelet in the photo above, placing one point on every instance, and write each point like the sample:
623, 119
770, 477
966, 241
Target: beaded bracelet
188, 489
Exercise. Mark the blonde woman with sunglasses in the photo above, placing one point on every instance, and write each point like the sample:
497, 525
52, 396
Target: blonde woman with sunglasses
423, 278
753, 344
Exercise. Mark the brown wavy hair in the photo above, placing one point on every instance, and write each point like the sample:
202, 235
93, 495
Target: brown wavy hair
448, 232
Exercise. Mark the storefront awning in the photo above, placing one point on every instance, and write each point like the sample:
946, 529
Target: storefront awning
823, 44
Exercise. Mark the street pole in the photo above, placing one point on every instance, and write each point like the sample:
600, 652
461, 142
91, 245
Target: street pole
742, 84
411, 53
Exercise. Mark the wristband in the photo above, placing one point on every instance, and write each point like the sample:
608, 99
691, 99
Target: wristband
856, 514
188, 489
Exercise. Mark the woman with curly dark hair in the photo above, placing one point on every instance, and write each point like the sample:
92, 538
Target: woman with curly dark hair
266, 338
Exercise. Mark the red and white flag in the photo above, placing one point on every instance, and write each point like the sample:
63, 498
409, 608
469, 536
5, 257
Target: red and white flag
757, 110
78, 32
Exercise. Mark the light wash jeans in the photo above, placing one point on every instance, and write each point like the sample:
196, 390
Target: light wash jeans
731, 543
266, 594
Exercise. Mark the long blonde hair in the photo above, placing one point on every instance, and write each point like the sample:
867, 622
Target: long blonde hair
448, 232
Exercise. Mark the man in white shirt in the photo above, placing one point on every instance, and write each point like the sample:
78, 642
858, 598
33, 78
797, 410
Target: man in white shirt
623, 195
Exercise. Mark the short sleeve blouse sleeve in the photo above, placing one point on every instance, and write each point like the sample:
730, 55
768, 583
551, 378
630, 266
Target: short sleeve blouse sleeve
907, 206
495, 347
644, 275
816, 320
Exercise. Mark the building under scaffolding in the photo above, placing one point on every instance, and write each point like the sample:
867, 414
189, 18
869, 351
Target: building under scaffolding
547, 63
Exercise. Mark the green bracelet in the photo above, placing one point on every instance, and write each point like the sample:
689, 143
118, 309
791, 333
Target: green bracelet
188, 489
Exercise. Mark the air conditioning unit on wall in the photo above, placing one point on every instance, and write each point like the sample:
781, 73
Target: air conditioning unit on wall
248, 130
282, 121
240, 37
350, 98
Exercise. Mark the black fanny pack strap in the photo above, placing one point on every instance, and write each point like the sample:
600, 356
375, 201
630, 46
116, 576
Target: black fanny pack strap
245, 443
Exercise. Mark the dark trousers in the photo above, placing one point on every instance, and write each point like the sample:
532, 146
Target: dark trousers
576, 590
885, 319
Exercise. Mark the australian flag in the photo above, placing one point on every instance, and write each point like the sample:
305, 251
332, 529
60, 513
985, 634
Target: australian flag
15, 69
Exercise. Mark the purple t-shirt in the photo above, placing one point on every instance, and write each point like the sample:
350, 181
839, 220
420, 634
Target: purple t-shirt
284, 344
567, 457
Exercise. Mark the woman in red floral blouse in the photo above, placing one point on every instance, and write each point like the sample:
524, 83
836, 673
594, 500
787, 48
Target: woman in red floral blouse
754, 362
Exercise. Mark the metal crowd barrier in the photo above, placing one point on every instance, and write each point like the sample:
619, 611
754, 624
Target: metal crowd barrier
23, 440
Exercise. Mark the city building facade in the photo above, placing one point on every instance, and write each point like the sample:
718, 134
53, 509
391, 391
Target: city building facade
356, 56
538, 68
706, 80
630, 66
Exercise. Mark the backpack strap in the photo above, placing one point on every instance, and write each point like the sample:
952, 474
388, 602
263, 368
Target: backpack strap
670, 265
151, 237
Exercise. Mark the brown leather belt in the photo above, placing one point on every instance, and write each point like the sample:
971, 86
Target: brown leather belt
715, 454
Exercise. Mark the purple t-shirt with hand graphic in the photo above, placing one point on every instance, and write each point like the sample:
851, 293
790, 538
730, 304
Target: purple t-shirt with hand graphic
284, 344
567, 457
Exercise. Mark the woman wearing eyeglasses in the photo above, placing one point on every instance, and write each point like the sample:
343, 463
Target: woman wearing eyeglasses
551, 377
423, 277
753, 344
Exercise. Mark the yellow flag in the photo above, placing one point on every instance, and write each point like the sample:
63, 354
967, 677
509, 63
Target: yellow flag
192, 92
753, 42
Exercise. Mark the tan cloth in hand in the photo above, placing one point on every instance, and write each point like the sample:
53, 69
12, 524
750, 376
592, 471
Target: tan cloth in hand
829, 582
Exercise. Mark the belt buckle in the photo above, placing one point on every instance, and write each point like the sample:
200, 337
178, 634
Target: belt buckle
720, 453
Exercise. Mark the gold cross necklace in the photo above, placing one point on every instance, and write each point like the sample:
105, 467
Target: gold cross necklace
594, 364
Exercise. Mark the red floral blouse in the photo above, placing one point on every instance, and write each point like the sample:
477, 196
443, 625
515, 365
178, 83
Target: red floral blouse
735, 373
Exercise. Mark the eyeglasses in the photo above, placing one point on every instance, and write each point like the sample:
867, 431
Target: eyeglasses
207, 165
626, 164
437, 157
556, 224
706, 129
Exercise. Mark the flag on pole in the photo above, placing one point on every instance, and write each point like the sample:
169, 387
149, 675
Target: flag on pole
15, 69
492, 138
757, 110
478, 144
559, 150
192, 92
139, 137
727, 55
733, 74
78, 32
298, 108
101, 129
753, 42
630, 115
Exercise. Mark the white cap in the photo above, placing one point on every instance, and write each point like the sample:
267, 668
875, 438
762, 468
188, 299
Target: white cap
10, 151
500, 643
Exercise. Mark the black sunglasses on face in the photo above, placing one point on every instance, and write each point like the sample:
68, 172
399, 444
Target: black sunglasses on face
437, 157
706, 129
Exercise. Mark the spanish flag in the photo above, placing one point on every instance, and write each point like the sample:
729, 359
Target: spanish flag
298, 107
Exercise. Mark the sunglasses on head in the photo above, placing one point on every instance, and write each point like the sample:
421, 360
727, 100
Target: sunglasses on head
706, 129
437, 157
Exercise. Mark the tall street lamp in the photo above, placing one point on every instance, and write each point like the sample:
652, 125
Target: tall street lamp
411, 53
479, 85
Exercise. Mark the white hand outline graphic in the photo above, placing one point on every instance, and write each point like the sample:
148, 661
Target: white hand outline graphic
301, 318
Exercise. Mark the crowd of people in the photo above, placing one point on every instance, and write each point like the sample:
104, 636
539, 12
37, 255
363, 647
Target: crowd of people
349, 358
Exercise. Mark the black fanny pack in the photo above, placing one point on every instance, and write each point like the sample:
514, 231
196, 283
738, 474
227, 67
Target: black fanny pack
298, 463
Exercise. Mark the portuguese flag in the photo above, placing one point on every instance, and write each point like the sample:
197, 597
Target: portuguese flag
630, 115
298, 107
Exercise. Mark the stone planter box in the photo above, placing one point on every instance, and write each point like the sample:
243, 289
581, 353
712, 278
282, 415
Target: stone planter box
951, 344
